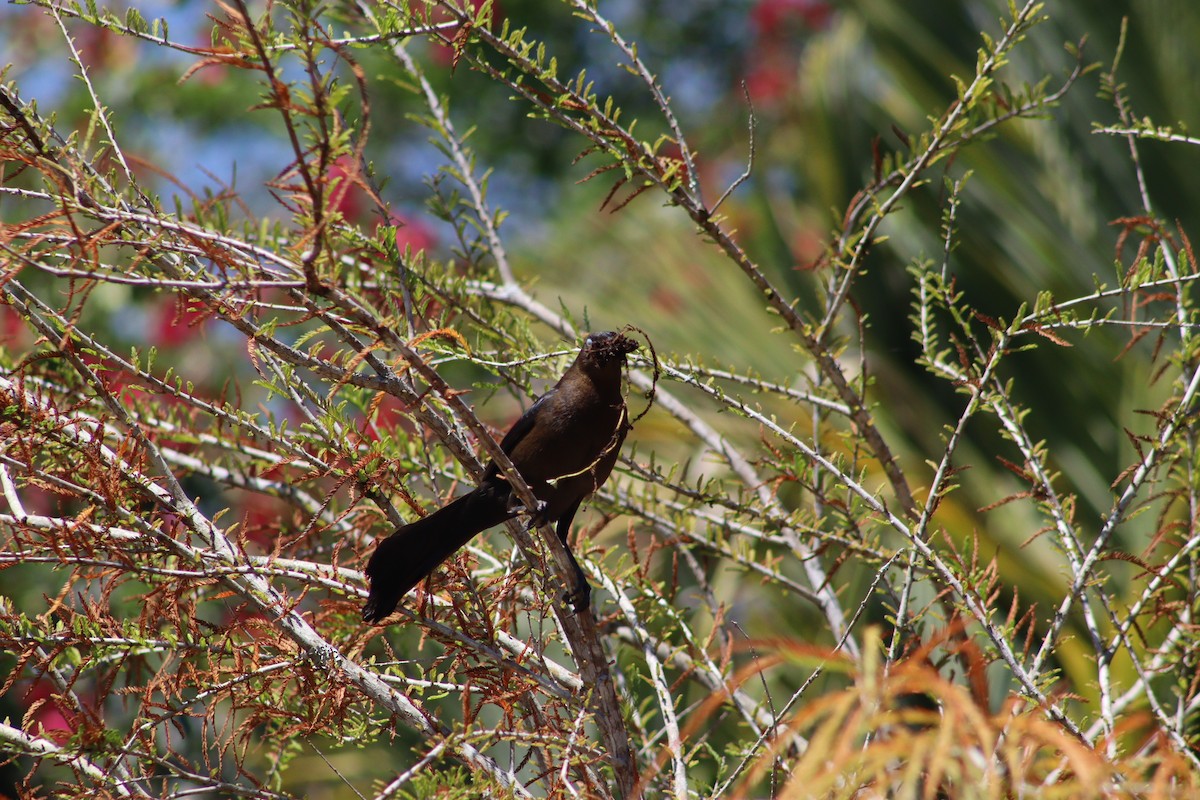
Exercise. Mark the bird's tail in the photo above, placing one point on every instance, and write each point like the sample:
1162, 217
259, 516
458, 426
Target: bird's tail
403, 559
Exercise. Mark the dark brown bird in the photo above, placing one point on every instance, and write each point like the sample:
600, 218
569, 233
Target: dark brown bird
564, 446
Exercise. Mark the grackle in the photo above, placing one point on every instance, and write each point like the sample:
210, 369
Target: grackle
564, 446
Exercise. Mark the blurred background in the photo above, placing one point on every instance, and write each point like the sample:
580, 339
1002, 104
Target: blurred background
829, 84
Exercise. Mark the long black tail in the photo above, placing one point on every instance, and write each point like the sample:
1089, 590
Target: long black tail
403, 559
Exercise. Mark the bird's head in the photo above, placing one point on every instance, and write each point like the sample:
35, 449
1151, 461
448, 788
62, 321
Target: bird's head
607, 347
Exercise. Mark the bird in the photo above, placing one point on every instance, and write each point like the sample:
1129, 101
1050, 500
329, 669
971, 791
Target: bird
564, 446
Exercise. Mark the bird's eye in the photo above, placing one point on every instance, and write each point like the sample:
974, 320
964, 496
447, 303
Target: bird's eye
589, 342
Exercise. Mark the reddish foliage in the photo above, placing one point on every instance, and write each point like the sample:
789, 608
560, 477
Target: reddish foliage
444, 54
346, 197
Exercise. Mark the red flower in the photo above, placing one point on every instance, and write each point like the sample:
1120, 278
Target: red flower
179, 320
770, 16
412, 233
52, 718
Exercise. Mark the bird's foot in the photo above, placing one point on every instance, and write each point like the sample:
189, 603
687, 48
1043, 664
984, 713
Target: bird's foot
537, 514
579, 598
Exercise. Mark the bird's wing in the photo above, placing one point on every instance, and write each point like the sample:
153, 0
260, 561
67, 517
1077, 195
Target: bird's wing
521, 428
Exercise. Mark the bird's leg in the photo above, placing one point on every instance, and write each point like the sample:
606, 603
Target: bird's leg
579, 596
